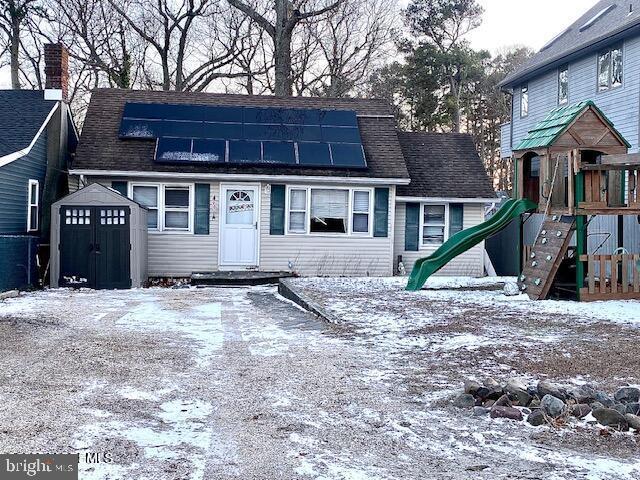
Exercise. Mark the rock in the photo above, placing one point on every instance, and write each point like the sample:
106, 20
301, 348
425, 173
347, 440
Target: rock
491, 383
595, 405
465, 400
604, 399
506, 412
608, 417
580, 410
488, 403
532, 390
503, 401
471, 386
480, 411
511, 289
518, 391
620, 407
9, 294
535, 403
633, 421
627, 395
548, 388
584, 393
552, 405
492, 393
537, 418
633, 408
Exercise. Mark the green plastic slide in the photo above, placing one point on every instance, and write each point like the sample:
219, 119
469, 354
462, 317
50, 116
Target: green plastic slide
466, 239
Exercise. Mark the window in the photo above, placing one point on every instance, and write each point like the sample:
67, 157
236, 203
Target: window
360, 212
147, 195
329, 211
33, 205
297, 211
610, 69
176, 208
433, 224
563, 85
169, 206
524, 101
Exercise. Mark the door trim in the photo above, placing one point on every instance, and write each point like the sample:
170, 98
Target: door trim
224, 187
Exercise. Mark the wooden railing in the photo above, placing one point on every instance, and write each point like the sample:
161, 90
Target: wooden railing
603, 187
611, 277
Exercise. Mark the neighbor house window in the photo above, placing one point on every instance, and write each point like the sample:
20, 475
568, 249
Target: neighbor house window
610, 69
298, 210
169, 207
524, 101
33, 205
434, 224
176, 208
329, 211
563, 85
147, 196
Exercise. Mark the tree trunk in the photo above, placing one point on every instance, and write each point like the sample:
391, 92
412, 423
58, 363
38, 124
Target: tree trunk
14, 52
282, 47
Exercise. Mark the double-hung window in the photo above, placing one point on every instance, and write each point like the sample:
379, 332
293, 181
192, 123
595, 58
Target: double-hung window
331, 211
148, 196
33, 205
176, 208
168, 206
610, 69
563, 85
434, 224
524, 100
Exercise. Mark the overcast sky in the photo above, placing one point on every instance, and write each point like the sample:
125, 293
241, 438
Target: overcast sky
505, 23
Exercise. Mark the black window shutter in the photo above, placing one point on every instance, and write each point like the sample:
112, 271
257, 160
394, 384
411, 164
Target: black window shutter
412, 227
277, 210
456, 218
120, 187
202, 209
381, 212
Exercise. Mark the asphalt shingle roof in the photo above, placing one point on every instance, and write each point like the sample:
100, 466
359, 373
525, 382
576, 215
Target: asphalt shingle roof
22, 113
100, 148
547, 131
444, 165
616, 23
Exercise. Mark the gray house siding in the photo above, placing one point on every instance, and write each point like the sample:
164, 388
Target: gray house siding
621, 105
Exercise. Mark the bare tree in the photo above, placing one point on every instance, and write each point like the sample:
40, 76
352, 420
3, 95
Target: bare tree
186, 40
280, 27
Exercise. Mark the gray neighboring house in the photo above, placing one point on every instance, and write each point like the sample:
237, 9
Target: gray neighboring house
37, 138
595, 58
236, 182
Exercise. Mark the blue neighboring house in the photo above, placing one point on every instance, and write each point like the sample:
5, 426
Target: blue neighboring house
37, 137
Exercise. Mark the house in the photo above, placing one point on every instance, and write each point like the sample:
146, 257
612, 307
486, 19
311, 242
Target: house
303, 185
37, 136
574, 138
448, 192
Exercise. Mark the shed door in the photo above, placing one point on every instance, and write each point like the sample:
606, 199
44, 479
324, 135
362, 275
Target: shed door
94, 247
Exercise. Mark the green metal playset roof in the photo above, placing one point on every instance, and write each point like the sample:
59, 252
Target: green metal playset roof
546, 132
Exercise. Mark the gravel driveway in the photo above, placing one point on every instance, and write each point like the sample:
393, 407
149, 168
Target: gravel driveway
232, 383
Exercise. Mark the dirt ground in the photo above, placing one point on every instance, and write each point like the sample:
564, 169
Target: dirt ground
234, 383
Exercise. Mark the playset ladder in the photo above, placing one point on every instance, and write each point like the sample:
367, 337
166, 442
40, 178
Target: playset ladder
542, 264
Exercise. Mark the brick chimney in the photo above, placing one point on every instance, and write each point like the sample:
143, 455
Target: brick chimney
56, 71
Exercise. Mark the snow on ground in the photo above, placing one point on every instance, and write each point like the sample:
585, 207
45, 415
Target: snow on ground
237, 383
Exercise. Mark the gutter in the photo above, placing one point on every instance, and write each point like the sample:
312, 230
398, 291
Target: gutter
240, 176
447, 200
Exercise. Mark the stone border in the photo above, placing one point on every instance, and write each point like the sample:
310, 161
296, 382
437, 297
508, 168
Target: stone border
290, 292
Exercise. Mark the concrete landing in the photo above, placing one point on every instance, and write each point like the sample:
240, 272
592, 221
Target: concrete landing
237, 278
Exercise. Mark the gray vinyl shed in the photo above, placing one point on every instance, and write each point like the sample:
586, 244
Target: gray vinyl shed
98, 240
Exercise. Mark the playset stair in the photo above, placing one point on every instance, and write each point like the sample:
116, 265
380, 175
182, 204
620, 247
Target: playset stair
546, 256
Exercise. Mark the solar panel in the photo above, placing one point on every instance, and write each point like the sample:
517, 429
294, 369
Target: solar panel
226, 134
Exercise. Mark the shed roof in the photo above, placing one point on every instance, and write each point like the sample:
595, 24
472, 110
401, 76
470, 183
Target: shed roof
22, 113
443, 165
547, 131
606, 22
100, 147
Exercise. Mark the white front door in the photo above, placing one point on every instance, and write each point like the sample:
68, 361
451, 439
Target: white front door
239, 226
